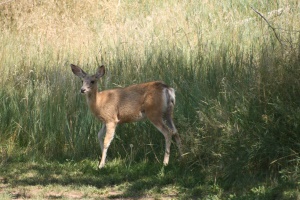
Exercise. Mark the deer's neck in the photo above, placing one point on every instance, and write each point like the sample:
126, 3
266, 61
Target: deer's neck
93, 99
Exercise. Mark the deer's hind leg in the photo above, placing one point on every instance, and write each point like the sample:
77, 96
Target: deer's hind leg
172, 128
160, 125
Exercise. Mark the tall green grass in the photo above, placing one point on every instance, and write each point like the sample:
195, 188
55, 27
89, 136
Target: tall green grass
237, 87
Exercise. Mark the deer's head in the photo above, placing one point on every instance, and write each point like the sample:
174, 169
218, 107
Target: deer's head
89, 82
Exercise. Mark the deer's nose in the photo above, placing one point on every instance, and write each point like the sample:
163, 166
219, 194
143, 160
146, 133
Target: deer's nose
82, 90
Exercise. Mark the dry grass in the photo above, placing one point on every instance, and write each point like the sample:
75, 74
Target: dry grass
81, 31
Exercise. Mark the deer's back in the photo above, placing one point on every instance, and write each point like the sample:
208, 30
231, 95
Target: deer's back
131, 103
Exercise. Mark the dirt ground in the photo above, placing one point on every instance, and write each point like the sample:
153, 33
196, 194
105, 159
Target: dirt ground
8, 191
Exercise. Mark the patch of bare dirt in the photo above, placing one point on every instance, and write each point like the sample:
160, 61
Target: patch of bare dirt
61, 192
74, 195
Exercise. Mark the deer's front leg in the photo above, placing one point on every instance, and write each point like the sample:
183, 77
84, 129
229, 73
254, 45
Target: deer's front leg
110, 132
101, 136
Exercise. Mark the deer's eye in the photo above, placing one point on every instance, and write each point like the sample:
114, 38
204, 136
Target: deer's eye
92, 82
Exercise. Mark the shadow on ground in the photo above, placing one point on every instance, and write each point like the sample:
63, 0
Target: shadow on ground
117, 180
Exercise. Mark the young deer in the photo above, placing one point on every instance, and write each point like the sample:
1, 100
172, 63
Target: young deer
152, 100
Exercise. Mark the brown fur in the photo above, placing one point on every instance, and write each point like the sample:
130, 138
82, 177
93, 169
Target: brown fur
153, 100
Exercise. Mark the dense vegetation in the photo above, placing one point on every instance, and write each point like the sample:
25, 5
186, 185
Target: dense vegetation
236, 75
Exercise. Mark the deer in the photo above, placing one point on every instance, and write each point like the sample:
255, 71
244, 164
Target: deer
154, 101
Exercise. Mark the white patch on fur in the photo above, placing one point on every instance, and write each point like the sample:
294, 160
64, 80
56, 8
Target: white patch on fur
171, 92
168, 96
164, 99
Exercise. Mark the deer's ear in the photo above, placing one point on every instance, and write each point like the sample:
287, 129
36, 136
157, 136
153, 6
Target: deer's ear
78, 71
100, 72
